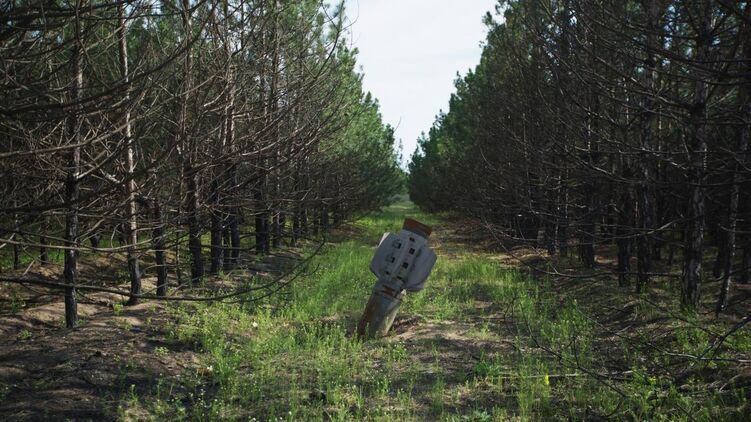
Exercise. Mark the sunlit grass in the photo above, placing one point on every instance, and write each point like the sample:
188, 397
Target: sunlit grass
292, 357
280, 358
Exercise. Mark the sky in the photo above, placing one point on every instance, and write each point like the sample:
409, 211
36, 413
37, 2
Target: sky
410, 52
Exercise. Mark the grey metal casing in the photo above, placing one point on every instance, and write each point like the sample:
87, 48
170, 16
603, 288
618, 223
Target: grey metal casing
405, 258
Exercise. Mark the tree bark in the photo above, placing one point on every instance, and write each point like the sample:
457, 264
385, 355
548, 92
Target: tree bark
16, 246
44, 257
130, 184
217, 219
625, 213
262, 221
698, 176
158, 242
194, 226
70, 268
743, 140
644, 240
745, 271
190, 173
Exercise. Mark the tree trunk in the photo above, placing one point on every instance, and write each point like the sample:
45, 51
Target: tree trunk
550, 234
262, 221
217, 219
563, 48
325, 218
130, 184
623, 223
194, 226
658, 238
698, 164
741, 157
227, 251
189, 172
745, 272
70, 269
232, 225
277, 230
16, 246
722, 242
562, 217
158, 239
644, 240
178, 232
94, 239
295, 227
44, 258
220, 258
588, 236
235, 235
625, 212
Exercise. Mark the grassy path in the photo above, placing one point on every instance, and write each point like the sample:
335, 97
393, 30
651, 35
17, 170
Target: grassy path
481, 342
294, 358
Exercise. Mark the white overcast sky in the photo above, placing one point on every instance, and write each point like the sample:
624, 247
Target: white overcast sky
410, 53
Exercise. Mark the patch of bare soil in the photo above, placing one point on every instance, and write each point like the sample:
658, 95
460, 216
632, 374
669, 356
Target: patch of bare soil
116, 352
48, 371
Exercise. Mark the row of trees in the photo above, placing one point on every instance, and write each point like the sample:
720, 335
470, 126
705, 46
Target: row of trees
138, 127
596, 123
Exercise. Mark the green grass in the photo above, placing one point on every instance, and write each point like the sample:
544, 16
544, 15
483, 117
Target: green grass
27, 256
491, 344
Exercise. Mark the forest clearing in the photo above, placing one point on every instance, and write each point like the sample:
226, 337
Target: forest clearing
485, 340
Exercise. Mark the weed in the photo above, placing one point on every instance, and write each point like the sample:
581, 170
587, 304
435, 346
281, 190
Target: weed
16, 303
4, 390
25, 334
436, 396
488, 367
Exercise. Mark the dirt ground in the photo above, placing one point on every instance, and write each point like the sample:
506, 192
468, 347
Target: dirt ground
116, 352
49, 372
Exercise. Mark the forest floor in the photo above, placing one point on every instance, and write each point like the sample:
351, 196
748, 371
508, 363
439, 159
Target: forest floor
485, 340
